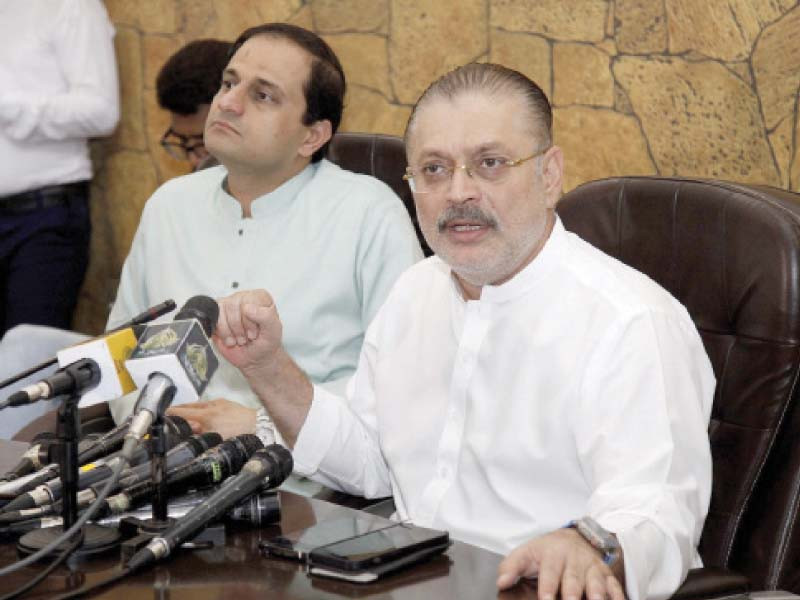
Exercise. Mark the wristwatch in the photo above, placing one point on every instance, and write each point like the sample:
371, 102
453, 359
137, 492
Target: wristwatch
599, 538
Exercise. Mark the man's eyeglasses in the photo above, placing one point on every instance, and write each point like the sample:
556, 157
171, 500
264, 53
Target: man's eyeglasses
435, 175
182, 147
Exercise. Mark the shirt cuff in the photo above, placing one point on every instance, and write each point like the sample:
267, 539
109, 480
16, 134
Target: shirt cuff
317, 433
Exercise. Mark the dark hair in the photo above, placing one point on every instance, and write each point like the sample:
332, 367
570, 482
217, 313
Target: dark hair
324, 89
192, 76
492, 79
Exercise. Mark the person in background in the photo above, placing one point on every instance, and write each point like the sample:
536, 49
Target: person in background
185, 86
330, 243
58, 88
521, 389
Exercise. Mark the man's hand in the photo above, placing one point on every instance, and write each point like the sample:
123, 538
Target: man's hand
249, 331
563, 561
223, 416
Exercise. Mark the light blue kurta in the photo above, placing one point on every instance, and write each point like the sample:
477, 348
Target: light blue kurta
327, 245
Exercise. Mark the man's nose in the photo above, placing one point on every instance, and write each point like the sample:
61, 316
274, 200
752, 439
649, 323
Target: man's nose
463, 185
232, 100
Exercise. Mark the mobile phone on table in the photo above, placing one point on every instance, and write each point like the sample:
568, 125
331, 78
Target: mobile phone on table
367, 557
297, 544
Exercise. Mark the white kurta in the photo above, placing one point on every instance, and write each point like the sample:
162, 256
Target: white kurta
579, 387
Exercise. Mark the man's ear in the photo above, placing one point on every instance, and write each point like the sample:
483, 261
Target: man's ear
318, 133
553, 175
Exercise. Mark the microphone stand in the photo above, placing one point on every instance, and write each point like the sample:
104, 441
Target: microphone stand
96, 539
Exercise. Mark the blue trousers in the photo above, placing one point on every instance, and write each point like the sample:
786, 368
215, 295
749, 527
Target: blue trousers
43, 258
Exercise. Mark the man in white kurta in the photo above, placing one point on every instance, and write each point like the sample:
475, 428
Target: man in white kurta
519, 381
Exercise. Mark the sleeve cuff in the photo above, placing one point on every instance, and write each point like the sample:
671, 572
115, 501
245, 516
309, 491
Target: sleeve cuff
317, 433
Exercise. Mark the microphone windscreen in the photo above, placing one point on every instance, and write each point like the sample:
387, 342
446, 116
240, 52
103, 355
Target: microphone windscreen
202, 308
282, 461
251, 443
211, 439
178, 426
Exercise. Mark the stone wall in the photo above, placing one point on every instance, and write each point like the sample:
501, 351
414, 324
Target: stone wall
704, 88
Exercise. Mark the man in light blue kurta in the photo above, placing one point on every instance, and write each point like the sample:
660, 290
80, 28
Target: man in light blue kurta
329, 244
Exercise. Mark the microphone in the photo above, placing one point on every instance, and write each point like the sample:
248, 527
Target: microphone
90, 450
273, 463
110, 353
208, 469
35, 457
180, 455
77, 377
96, 474
173, 360
150, 314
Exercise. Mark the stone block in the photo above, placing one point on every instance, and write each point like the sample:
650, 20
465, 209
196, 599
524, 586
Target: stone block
776, 65
130, 180
427, 39
365, 59
599, 143
370, 112
130, 131
577, 20
721, 29
794, 171
699, 118
581, 75
781, 141
640, 26
337, 16
528, 54
303, 18
148, 15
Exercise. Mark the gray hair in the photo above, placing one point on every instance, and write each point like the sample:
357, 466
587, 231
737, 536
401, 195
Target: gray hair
490, 78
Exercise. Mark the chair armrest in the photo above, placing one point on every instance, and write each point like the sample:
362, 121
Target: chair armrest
711, 582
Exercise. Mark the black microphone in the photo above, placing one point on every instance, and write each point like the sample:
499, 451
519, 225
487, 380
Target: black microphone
182, 454
78, 377
98, 472
208, 469
273, 463
35, 457
173, 360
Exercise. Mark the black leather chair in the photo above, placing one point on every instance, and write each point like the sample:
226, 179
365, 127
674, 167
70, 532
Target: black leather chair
731, 254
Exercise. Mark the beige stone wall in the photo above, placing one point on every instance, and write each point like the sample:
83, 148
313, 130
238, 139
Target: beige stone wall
704, 88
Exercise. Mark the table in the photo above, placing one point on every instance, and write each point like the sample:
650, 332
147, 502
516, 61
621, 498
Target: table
237, 571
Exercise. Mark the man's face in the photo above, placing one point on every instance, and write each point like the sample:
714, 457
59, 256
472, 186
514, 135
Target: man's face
187, 131
487, 231
255, 121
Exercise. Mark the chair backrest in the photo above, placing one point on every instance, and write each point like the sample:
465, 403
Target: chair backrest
731, 255
383, 157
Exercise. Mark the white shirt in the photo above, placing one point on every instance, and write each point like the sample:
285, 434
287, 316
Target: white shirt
58, 87
327, 245
579, 387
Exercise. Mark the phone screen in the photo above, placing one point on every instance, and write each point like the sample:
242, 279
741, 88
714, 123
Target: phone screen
297, 544
379, 546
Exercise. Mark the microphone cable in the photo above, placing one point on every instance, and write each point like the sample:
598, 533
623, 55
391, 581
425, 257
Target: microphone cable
124, 460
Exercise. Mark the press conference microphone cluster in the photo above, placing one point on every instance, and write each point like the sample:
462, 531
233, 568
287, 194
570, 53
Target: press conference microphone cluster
173, 362
273, 464
95, 474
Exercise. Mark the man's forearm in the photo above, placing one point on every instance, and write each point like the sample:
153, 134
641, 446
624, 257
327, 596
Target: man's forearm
285, 391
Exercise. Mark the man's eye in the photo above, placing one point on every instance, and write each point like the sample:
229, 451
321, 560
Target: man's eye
433, 170
226, 84
264, 97
492, 162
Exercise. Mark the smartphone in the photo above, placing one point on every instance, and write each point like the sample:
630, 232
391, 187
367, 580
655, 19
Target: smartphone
298, 544
367, 557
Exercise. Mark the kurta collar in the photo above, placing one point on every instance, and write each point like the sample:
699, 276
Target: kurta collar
527, 279
274, 202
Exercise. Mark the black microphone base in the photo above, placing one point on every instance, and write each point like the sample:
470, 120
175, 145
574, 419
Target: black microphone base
211, 537
96, 540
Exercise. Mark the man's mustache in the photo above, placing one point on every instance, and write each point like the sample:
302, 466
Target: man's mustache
464, 212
